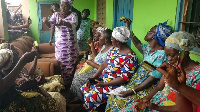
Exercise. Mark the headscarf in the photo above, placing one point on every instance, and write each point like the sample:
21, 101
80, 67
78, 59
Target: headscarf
70, 2
121, 34
181, 41
101, 29
6, 59
162, 32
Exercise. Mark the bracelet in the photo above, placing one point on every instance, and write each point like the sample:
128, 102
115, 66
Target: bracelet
134, 91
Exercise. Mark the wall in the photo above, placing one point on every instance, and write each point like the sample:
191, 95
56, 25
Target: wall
109, 13
79, 4
148, 13
25, 9
3, 22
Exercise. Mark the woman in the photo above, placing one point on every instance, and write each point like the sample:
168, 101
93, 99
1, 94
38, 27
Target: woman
55, 7
65, 23
161, 98
80, 80
10, 99
84, 32
187, 94
143, 80
115, 71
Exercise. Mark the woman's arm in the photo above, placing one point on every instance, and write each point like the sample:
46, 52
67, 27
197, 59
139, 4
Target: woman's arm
92, 63
9, 80
52, 34
99, 71
159, 87
117, 81
18, 27
183, 104
31, 71
46, 21
190, 93
134, 39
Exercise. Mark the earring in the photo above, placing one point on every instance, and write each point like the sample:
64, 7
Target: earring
152, 38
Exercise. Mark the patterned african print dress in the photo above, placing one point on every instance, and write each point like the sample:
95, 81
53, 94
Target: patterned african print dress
166, 97
65, 45
118, 66
115, 103
83, 34
80, 80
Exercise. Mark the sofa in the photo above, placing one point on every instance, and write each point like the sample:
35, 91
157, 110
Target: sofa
46, 61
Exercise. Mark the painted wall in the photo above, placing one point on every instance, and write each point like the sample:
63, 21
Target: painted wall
109, 13
79, 4
3, 22
25, 9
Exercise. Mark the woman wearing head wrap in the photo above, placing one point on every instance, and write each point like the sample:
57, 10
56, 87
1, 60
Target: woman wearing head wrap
10, 99
143, 80
162, 97
80, 80
66, 51
114, 71
84, 32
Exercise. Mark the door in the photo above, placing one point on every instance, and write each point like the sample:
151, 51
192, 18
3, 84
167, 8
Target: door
44, 10
122, 8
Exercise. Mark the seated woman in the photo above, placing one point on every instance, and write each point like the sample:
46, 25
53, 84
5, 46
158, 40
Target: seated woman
80, 80
162, 97
143, 81
114, 71
10, 99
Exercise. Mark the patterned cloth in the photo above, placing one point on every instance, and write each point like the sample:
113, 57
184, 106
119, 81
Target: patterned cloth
181, 41
162, 32
65, 45
6, 58
115, 104
80, 80
118, 66
70, 2
83, 34
192, 79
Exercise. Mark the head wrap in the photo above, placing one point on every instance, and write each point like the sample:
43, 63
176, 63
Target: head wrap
181, 41
121, 34
101, 29
162, 32
70, 2
6, 59
5, 46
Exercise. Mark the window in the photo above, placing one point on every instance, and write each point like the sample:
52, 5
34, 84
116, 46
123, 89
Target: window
101, 12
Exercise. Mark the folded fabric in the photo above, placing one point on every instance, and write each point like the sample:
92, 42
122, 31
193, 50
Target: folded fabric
85, 69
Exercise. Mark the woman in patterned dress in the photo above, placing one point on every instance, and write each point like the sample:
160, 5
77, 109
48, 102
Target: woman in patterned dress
143, 80
66, 52
84, 32
80, 80
114, 71
162, 97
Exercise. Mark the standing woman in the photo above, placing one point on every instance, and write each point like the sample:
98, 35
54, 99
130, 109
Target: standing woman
66, 52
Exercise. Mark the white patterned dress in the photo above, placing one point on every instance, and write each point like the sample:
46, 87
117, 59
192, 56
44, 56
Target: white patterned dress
66, 50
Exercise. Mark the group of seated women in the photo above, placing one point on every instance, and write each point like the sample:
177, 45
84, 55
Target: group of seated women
116, 78
126, 85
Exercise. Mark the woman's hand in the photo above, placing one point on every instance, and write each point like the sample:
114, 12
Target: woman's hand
99, 83
44, 19
19, 81
50, 42
90, 62
28, 56
174, 75
128, 22
143, 103
126, 93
